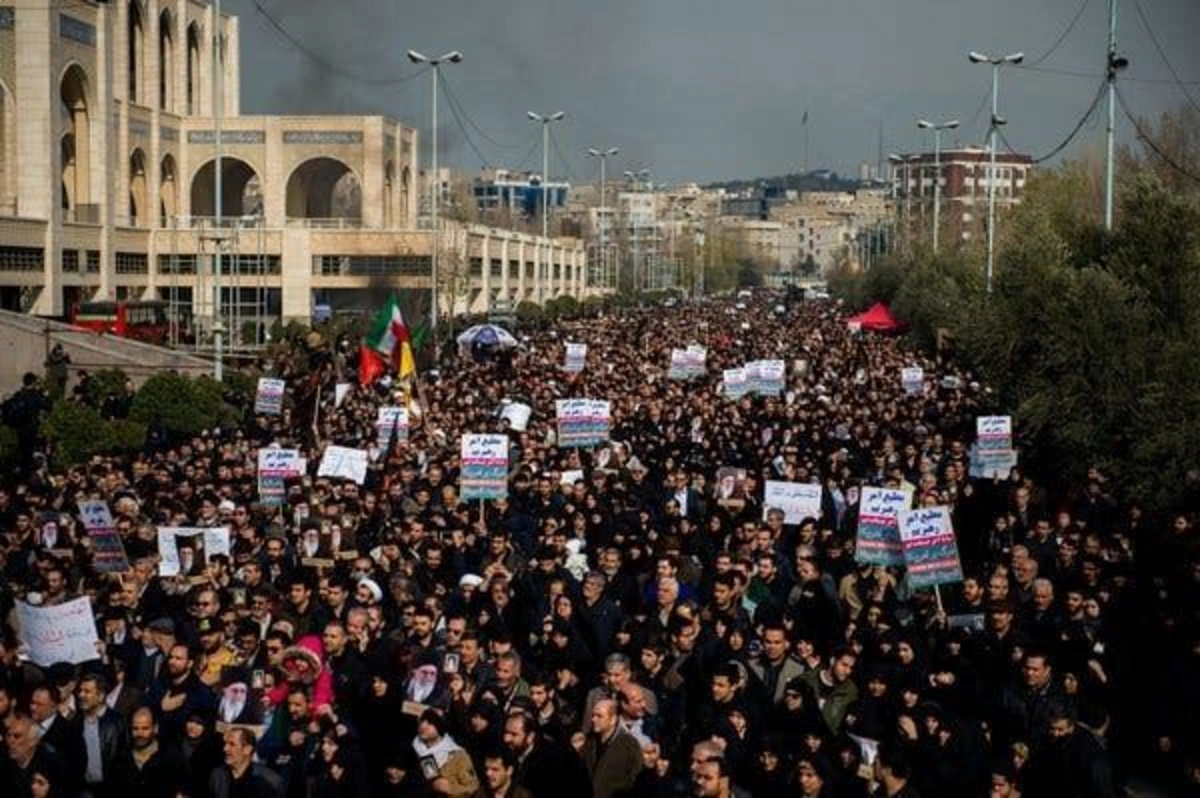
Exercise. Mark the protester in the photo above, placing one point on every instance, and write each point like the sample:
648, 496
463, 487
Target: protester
632, 618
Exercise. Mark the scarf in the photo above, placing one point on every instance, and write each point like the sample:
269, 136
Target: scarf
440, 751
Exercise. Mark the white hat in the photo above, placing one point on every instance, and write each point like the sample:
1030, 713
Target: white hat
470, 580
373, 586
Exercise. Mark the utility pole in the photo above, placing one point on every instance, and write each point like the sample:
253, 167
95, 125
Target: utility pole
218, 204
1115, 64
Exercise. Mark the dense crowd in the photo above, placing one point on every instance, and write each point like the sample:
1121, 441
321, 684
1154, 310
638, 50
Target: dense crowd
616, 626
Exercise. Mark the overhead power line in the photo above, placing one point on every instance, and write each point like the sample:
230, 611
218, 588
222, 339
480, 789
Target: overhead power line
483, 161
1149, 142
1079, 73
1141, 12
561, 157
1074, 131
325, 63
1062, 36
453, 98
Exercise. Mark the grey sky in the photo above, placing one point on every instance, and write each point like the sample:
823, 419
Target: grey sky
711, 89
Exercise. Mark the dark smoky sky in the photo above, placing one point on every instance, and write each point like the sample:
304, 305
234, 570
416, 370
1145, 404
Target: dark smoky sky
714, 89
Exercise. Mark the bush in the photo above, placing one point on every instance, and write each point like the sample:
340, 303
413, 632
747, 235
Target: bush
181, 407
76, 431
529, 312
105, 386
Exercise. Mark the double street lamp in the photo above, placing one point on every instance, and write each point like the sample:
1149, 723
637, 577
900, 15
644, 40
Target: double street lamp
545, 120
996, 61
603, 155
937, 170
435, 185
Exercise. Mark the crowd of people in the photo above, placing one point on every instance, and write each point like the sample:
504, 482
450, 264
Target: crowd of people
621, 624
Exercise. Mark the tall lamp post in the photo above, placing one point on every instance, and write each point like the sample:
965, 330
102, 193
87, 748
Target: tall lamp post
218, 205
937, 170
603, 155
636, 177
545, 120
435, 186
996, 61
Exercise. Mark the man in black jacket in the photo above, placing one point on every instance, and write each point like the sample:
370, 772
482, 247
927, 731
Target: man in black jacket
1071, 764
240, 775
544, 768
104, 740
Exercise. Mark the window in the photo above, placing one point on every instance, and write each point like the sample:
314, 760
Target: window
497, 267
176, 264
250, 264
476, 267
93, 261
21, 259
70, 261
371, 265
132, 263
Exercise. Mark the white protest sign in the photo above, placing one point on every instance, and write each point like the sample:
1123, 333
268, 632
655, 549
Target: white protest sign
276, 462
340, 392
576, 357
269, 397
341, 462
517, 415
62, 633
95, 515
798, 500
207, 541
994, 432
570, 477
913, 380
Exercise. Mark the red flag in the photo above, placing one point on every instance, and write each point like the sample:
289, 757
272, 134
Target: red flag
370, 365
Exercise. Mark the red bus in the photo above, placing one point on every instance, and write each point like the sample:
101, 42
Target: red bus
148, 320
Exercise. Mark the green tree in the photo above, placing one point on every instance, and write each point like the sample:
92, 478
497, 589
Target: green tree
181, 406
76, 431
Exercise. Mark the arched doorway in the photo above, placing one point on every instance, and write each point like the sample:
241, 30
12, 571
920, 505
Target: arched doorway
324, 188
168, 191
241, 190
75, 144
166, 60
138, 212
137, 43
193, 68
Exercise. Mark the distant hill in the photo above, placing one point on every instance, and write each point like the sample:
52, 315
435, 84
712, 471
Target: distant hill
819, 180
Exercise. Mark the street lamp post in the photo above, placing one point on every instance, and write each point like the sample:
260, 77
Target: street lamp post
937, 171
603, 155
545, 120
435, 186
218, 206
636, 178
996, 61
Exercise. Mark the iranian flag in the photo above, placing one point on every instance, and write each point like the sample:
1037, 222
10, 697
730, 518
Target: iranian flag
387, 346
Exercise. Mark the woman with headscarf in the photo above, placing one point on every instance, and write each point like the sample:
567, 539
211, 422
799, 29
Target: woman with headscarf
341, 770
813, 777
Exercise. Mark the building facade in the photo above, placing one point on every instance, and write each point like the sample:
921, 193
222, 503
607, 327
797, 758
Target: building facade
108, 151
964, 179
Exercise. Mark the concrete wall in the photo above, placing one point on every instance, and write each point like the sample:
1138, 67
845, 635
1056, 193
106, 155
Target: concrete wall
25, 341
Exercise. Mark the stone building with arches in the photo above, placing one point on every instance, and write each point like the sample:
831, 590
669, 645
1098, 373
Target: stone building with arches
108, 183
